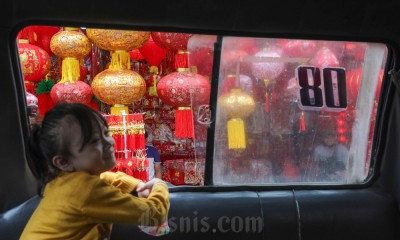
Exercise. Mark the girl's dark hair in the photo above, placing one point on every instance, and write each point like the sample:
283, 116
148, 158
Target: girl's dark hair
46, 141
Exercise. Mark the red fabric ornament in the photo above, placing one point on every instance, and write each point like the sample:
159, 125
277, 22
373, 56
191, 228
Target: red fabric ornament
302, 127
300, 48
30, 87
153, 53
136, 55
77, 92
45, 103
171, 41
324, 58
35, 62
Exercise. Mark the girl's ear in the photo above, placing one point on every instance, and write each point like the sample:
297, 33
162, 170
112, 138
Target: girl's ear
62, 164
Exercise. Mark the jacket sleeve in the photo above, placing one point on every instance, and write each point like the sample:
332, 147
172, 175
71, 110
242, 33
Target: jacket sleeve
107, 204
120, 180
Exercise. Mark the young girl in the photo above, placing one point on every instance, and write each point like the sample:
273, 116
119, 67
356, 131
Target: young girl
70, 154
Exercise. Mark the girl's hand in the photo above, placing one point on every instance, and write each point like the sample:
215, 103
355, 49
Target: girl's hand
144, 189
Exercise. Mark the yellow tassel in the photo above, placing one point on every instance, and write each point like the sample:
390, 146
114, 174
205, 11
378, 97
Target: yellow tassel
153, 88
120, 59
153, 70
70, 70
118, 108
236, 134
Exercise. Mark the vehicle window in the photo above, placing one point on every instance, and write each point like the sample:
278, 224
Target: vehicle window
296, 111
288, 111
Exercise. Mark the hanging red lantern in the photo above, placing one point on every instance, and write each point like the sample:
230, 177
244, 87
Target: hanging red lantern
45, 102
184, 89
153, 55
355, 50
42, 36
35, 62
171, 41
71, 45
201, 48
268, 69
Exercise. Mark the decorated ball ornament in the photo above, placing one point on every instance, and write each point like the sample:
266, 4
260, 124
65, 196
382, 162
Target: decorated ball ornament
266, 67
181, 89
171, 41
70, 43
237, 105
35, 62
31, 99
111, 40
76, 92
118, 86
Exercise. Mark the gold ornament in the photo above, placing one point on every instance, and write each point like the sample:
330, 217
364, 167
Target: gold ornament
109, 39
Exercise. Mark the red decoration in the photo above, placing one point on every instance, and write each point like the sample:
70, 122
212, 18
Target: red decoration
184, 89
153, 53
77, 91
171, 41
245, 83
42, 36
45, 103
302, 126
35, 62
201, 48
136, 55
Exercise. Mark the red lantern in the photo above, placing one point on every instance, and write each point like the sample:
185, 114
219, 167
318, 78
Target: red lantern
355, 50
184, 89
153, 53
71, 92
201, 48
268, 69
35, 62
43, 35
171, 41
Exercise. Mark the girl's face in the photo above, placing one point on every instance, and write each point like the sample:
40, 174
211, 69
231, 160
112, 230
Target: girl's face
97, 156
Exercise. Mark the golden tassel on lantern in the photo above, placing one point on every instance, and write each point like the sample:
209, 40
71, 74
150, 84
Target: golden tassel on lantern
153, 88
236, 134
120, 59
70, 70
118, 108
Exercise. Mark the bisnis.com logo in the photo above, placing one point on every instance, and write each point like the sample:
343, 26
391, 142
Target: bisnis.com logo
197, 223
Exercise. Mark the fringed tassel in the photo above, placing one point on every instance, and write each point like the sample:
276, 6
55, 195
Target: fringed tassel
120, 59
70, 70
266, 102
118, 108
302, 126
153, 88
184, 123
181, 59
236, 134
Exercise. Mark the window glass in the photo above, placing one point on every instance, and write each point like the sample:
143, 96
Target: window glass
296, 111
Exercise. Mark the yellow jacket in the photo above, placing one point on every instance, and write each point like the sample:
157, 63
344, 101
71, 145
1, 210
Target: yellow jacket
80, 206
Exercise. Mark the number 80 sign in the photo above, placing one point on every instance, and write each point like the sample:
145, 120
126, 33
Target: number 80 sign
322, 90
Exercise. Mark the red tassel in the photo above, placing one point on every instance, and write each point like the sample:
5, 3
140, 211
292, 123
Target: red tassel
45, 103
181, 60
184, 123
302, 126
266, 102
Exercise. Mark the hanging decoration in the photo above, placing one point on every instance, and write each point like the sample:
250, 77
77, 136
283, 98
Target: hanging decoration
35, 62
128, 133
237, 105
41, 36
118, 85
184, 89
70, 45
153, 54
45, 102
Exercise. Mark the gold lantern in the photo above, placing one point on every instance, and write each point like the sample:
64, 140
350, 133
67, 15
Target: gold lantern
238, 105
118, 85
